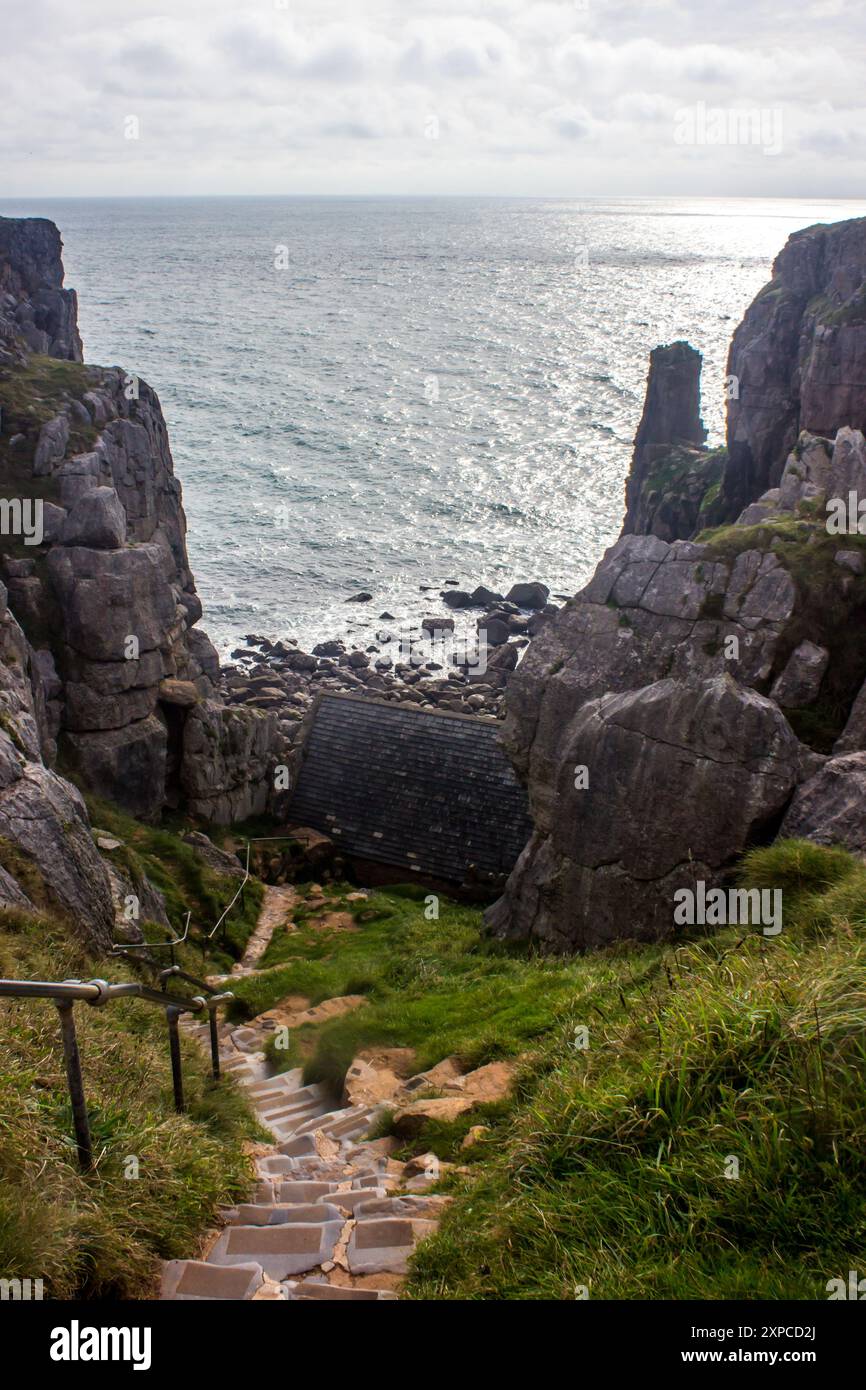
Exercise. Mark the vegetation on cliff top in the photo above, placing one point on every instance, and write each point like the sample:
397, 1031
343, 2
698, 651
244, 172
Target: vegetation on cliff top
708, 1142
103, 1234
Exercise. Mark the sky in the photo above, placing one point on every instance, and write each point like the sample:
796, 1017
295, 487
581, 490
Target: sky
572, 98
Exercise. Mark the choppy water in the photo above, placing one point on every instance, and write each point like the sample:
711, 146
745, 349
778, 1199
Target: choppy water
418, 389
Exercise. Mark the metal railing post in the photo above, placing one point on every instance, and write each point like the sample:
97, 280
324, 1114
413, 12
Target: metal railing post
75, 1082
98, 993
214, 1044
172, 1016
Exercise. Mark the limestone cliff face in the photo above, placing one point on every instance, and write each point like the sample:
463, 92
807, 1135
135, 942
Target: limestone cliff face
698, 695
47, 855
799, 357
36, 312
107, 601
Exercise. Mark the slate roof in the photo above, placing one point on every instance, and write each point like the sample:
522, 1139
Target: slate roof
430, 792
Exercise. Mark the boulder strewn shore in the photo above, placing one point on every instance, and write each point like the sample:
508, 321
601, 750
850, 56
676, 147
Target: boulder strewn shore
426, 667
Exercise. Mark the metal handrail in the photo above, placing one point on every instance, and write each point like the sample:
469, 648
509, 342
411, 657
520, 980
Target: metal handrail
97, 993
210, 935
121, 947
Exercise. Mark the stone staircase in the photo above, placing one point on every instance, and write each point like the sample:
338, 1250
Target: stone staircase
330, 1217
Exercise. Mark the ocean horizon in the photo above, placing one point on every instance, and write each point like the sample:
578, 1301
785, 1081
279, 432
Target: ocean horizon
389, 393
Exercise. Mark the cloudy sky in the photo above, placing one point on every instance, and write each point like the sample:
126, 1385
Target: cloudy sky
561, 97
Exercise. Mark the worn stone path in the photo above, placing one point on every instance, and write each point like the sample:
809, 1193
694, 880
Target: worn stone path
278, 904
331, 1217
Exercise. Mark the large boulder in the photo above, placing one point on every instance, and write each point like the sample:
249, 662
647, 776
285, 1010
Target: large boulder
679, 778
830, 808
106, 597
44, 818
126, 765
532, 595
96, 520
651, 610
47, 855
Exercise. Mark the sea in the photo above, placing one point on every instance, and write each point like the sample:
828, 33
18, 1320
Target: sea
388, 394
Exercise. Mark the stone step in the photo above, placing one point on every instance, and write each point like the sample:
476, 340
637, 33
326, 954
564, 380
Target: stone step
287, 1112
293, 1191
334, 1117
285, 1081
313, 1289
318, 1171
282, 1096
246, 1039
374, 1205
281, 1250
237, 1063
287, 1128
194, 1279
351, 1201
275, 1165
273, 1214
341, 1122
298, 1095
384, 1244
302, 1146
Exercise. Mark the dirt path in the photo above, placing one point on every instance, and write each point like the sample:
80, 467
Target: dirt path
278, 904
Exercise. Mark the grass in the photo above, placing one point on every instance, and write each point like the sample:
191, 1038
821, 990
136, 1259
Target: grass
439, 987
103, 1234
186, 883
611, 1167
610, 1171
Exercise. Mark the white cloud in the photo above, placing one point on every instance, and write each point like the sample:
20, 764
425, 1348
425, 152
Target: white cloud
328, 96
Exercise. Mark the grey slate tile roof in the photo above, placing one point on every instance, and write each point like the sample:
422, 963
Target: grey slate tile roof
429, 792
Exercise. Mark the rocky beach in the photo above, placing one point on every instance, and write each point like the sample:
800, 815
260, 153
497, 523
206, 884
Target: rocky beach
428, 666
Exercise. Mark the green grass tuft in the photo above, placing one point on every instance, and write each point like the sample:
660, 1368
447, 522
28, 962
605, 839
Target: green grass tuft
102, 1235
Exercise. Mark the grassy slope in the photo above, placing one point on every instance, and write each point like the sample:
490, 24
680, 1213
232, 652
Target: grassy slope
101, 1235
187, 885
435, 986
607, 1169
611, 1175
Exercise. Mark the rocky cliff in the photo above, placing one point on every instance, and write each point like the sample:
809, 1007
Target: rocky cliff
671, 468
798, 359
36, 313
99, 603
698, 695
